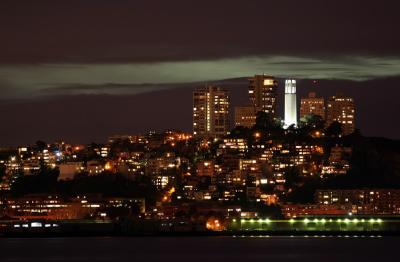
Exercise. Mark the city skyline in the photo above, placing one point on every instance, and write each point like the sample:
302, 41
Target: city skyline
239, 97
200, 130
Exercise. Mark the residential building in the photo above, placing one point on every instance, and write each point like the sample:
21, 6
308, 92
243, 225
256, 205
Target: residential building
312, 105
263, 93
210, 112
246, 116
341, 108
362, 201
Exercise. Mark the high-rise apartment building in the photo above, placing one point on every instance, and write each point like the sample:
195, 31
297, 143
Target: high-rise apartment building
290, 103
263, 93
341, 108
246, 116
210, 112
312, 105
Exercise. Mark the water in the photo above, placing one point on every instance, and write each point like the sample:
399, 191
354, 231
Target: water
205, 249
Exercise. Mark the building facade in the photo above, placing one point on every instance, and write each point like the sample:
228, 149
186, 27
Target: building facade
210, 112
263, 93
312, 105
362, 201
341, 108
246, 116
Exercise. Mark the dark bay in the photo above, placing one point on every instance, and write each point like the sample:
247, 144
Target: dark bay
200, 249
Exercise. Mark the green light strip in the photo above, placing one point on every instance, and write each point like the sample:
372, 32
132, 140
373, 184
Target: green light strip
316, 220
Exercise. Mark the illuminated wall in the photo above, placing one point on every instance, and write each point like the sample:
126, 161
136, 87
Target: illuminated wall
290, 103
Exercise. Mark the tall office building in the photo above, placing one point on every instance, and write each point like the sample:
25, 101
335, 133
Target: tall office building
341, 108
290, 103
210, 112
246, 116
263, 93
312, 105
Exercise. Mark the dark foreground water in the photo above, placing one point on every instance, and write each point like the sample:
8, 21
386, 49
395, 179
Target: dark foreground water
205, 249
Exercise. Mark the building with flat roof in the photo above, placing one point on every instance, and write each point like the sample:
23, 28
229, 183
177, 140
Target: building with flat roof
341, 108
312, 105
246, 116
263, 93
362, 201
210, 112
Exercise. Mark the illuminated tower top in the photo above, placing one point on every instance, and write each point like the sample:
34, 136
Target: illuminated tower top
290, 86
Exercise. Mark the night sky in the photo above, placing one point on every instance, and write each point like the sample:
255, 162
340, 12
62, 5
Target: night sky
83, 70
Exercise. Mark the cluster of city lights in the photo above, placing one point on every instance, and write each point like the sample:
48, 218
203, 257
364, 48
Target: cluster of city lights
315, 220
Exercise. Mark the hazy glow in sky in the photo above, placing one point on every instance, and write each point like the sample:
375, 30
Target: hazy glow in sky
47, 79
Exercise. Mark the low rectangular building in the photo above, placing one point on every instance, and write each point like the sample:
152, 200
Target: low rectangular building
363, 201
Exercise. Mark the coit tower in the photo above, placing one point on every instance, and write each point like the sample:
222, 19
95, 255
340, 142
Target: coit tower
290, 103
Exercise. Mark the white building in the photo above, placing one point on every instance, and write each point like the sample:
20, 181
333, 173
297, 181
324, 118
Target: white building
290, 103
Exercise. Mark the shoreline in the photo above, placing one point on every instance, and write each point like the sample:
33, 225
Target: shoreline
203, 234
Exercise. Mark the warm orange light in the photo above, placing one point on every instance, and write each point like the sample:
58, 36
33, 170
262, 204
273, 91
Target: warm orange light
214, 225
107, 166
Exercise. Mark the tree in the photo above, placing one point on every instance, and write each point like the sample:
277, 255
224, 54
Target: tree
270, 127
240, 132
2, 172
334, 129
312, 122
304, 193
292, 176
41, 145
43, 182
265, 122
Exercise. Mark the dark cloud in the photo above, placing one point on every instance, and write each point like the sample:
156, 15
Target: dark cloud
49, 79
151, 31
107, 88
